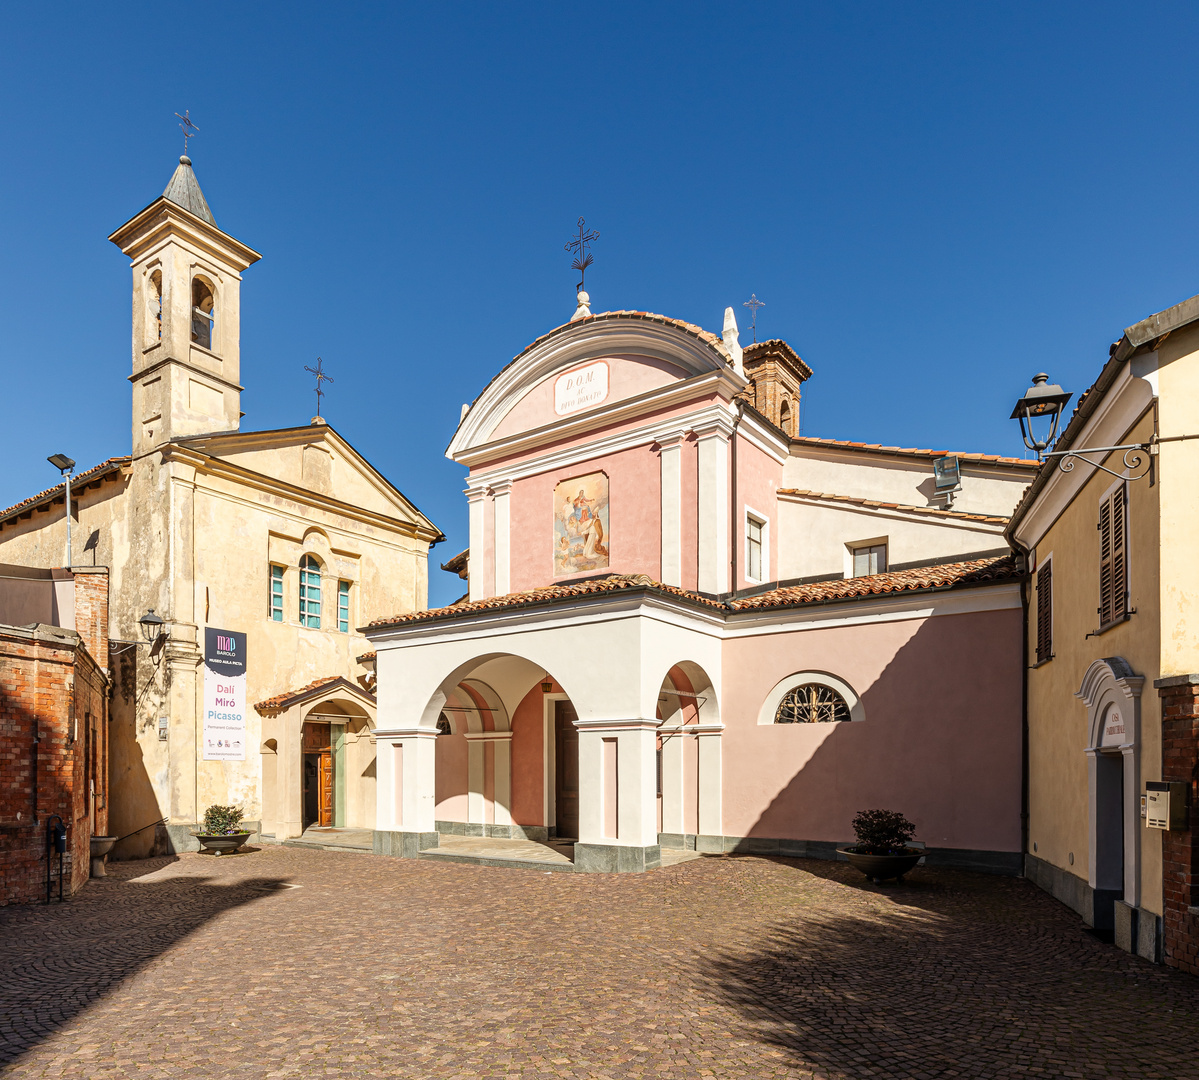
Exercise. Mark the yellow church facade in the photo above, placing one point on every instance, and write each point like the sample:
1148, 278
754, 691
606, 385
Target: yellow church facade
260, 551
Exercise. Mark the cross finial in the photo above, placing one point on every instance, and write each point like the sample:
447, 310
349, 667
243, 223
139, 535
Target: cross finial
321, 377
583, 257
753, 303
188, 128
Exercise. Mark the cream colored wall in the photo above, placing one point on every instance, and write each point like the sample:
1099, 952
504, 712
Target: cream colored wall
813, 537
1058, 779
986, 489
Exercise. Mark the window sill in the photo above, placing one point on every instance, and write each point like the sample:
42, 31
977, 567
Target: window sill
1113, 624
1041, 663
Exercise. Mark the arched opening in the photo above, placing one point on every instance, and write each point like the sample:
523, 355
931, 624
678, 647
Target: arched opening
310, 592
203, 313
785, 417
154, 308
688, 757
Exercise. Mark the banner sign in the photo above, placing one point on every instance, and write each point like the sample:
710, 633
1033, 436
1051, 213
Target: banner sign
224, 695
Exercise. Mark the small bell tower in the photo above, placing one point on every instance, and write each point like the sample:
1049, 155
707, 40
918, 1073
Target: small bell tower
186, 315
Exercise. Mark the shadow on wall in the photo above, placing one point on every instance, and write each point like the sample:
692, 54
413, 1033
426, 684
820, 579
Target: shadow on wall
953, 986
133, 803
940, 743
56, 961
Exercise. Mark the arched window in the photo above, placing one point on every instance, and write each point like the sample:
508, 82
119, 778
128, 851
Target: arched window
811, 703
154, 308
785, 416
203, 313
310, 592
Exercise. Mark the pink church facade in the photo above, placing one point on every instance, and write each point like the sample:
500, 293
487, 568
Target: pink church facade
688, 626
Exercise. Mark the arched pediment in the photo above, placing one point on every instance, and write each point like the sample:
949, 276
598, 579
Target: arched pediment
641, 354
1112, 694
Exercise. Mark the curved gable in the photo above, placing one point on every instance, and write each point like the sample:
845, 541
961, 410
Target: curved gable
587, 367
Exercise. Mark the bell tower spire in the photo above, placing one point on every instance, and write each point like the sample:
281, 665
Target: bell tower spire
186, 315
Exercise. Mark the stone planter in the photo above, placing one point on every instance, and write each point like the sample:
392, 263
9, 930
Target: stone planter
101, 846
222, 843
879, 868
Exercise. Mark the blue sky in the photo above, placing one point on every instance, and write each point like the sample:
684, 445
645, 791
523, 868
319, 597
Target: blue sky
934, 201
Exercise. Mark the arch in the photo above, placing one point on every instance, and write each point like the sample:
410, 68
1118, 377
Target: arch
270, 746
785, 416
1111, 692
770, 705
153, 307
688, 756
204, 312
686, 347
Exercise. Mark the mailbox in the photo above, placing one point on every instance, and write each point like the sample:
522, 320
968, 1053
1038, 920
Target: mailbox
59, 836
1165, 804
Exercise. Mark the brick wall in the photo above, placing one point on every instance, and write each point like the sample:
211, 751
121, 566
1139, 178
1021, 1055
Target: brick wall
1180, 848
53, 748
91, 609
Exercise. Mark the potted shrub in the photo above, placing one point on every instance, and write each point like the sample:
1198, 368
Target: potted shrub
882, 850
222, 832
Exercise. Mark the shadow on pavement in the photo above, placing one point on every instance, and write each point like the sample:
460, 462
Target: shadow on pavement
914, 992
58, 960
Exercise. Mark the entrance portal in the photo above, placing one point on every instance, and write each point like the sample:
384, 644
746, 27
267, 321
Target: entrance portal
566, 769
318, 775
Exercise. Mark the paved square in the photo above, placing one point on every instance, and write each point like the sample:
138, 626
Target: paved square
718, 967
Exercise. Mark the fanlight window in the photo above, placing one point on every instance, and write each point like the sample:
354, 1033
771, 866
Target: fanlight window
811, 704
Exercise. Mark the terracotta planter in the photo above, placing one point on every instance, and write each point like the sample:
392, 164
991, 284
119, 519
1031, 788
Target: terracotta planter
222, 843
879, 868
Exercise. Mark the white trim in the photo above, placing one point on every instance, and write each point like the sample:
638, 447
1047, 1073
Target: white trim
748, 512
770, 704
477, 535
713, 511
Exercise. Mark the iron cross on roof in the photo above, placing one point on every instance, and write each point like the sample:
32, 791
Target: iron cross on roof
583, 257
188, 128
321, 377
753, 303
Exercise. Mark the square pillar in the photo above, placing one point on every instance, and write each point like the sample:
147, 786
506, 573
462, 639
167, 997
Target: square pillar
502, 764
711, 779
618, 764
503, 544
404, 791
713, 509
476, 572
671, 460
672, 782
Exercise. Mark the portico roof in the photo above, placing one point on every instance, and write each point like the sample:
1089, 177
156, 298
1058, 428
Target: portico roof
970, 573
318, 688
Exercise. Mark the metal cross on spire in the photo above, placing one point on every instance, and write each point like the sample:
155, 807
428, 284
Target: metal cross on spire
753, 303
321, 377
583, 257
188, 128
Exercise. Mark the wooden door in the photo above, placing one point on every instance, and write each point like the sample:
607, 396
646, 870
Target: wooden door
566, 769
326, 789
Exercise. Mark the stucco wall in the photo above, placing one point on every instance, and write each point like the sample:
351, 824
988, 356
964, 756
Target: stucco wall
940, 741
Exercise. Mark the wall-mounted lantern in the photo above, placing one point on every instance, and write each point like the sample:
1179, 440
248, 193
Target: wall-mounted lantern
1044, 401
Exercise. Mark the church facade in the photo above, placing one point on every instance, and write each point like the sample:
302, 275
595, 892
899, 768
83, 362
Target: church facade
261, 552
689, 626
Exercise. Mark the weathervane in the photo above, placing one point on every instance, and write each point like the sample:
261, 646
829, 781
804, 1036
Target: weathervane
188, 128
321, 377
583, 257
753, 303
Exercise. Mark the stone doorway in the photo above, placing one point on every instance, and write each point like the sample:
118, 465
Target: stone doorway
317, 781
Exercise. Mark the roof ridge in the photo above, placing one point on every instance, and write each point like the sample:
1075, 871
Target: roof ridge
913, 451
862, 501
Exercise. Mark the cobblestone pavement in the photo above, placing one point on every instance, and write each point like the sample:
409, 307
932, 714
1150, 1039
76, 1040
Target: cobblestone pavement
718, 967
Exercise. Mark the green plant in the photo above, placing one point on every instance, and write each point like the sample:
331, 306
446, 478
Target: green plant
882, 832
222, 820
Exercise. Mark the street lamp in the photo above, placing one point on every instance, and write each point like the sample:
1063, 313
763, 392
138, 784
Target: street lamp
65, 465
152, 631
1043, 398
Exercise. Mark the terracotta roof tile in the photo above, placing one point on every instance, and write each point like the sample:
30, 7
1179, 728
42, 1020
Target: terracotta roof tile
949, 575
278, 701
911, 451
935, 511
975, 571
94, 473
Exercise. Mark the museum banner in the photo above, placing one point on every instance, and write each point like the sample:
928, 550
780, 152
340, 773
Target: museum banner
224, 695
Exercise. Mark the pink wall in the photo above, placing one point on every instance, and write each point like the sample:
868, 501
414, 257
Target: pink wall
528, 768
940, 741
450, 786
758, 480
634, 518
628, 376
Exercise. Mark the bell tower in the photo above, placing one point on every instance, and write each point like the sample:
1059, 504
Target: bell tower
186, 316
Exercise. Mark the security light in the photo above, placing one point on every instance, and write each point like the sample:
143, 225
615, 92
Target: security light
61, 461
947, 473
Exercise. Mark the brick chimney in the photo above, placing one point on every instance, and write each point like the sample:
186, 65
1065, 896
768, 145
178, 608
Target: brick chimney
91, 610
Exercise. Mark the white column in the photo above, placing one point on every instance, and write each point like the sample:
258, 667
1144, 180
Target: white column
672, 780
711, 811
672, 509
405, 792
503, 542
476, 811
636, 782
502, 745
474, 502
713, 509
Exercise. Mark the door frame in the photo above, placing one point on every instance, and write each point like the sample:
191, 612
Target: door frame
550, 758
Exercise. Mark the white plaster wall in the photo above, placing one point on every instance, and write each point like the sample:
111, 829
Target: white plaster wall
813, 537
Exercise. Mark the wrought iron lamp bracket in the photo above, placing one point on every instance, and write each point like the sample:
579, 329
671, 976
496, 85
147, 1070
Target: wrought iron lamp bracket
1136, 456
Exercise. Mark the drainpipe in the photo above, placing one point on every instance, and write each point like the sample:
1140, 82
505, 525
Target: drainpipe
1025, 590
